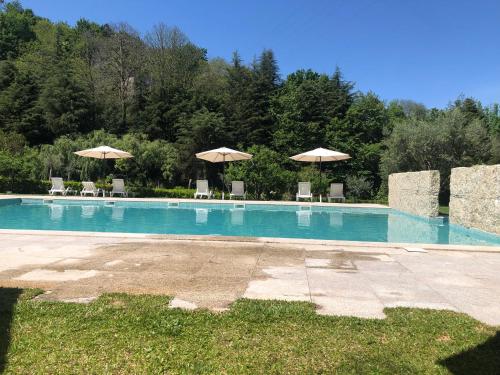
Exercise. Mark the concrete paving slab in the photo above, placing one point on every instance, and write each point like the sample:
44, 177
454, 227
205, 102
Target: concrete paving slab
368, 308
353, 280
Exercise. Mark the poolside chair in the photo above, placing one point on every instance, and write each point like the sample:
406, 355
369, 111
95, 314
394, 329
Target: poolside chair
336, 192
238, 190
90, 189
202, 189
119, 188
304, 191
58, 186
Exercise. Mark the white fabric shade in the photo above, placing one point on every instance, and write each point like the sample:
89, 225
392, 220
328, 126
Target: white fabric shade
320, 155
223, 154
104, 152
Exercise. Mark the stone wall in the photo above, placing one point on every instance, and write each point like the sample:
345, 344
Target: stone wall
415, 192
475, 197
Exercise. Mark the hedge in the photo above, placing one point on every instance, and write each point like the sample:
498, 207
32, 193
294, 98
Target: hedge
26, 186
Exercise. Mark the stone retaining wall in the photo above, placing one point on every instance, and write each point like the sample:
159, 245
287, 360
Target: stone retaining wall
475, 197
415, 192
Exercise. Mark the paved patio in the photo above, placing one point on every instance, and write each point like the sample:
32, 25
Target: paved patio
340, 280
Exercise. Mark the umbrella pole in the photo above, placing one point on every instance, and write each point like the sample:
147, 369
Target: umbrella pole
223, 175
320, 185
103, 194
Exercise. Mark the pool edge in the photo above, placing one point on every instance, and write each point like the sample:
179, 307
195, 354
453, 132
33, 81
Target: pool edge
271, 240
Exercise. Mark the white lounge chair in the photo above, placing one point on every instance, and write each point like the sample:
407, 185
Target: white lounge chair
304, 191
90, 189
202, 189
58, 186
119, 188
238, 190
336, 192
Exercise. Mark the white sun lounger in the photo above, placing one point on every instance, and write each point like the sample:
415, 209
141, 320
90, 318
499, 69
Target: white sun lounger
304, 191
119, 188
202, 189
58, 186
336, 192
238, 190
90, 189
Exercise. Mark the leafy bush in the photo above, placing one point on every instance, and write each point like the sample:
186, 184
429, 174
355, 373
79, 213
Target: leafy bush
359, 187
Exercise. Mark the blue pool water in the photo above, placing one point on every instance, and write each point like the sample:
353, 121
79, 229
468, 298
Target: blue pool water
252, 220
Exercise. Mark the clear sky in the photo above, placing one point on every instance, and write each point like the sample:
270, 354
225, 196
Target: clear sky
430, 51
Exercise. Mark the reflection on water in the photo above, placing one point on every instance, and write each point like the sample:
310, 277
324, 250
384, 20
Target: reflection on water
336, 220
403, 228
304, 218
201, 216
237, 216
88, 211
56, 212
117, 213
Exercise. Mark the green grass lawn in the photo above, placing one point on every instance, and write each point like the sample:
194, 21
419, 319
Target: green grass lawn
126, 334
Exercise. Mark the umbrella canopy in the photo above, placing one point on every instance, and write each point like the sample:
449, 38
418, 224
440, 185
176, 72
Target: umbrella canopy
320, 155
223, 154
104, 152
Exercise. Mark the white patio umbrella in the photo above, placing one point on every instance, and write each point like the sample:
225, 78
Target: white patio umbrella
320, 155
221, 155
104, 152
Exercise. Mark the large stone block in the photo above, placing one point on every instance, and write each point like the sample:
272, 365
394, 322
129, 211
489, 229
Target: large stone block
475, 197
415, 192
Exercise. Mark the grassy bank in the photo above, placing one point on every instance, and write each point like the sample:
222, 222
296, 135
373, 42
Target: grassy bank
139, 334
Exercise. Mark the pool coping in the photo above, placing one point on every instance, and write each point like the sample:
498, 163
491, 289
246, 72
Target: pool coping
274, 240
250, 240
191, 200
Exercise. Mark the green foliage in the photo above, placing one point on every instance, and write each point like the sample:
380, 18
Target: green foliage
265, 175
16, 26
359, 187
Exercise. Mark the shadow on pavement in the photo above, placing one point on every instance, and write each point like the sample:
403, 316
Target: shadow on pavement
483, 359
8, 300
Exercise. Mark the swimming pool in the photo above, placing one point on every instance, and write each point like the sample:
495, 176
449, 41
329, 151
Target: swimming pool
235, 219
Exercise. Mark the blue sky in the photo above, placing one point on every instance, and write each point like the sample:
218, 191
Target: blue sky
430, 51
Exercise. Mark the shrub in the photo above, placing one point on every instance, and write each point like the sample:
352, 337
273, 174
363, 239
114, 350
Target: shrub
359, 187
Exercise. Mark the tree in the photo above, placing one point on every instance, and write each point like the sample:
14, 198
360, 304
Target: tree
360, 134
16, 29
202, 131
123, 59
304, 107
266, 175
264, 83
447, 141
66, 105
173, 63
